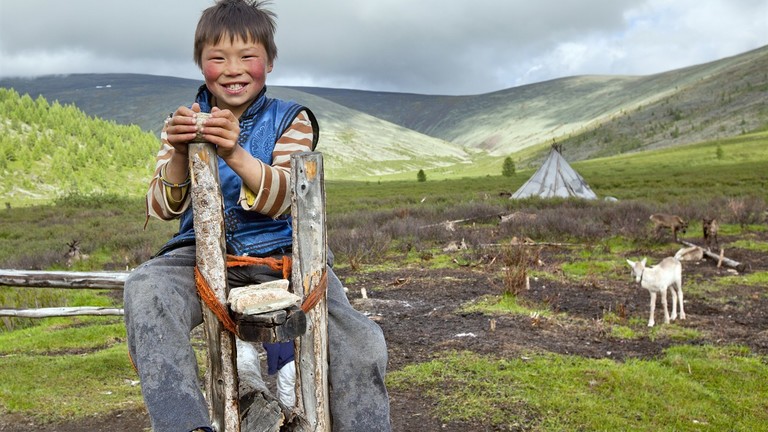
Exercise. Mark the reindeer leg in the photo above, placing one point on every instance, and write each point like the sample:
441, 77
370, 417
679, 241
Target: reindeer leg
674, 304
657, 231
680, 297
664, 303
653, 309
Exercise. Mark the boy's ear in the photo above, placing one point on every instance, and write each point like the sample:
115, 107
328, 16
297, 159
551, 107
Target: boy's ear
269, 68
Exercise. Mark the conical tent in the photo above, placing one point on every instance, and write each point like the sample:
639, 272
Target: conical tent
555, 178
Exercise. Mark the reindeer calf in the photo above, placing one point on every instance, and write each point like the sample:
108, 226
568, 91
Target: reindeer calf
674, 223
657, 279
693, 253
710, 227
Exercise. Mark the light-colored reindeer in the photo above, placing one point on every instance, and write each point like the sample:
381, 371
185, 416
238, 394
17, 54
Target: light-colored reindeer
657, 279
691, 253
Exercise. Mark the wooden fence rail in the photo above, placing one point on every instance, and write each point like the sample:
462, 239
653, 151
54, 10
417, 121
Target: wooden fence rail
62, 279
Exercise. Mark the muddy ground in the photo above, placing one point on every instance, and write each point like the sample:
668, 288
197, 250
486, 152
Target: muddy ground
417, 309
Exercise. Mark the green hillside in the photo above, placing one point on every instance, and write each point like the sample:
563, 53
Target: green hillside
50, 150
728, 167
377, 135
356, 145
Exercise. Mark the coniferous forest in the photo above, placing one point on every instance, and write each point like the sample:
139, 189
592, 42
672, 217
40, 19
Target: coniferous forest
53, 150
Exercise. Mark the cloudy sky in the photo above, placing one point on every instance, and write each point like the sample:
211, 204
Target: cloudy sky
420, 46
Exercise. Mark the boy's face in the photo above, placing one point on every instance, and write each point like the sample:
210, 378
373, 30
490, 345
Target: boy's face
235, 72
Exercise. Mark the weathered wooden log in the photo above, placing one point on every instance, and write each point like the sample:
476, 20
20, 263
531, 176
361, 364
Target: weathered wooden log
63, 279
221, 374
309, 266
59, 312
718, 258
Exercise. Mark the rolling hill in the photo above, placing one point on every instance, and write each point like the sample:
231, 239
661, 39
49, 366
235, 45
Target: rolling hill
393, 135
380, 147
707, 101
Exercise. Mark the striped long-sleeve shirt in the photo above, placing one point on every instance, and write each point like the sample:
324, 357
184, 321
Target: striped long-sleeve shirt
272, 199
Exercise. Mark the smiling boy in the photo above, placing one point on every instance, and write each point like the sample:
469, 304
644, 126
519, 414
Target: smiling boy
254, 137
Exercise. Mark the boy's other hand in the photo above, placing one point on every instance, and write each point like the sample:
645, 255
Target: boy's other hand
182, 128
222, 129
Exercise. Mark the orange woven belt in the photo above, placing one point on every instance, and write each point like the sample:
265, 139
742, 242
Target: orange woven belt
284, 265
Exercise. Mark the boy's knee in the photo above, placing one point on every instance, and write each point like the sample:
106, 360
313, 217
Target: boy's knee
359, 340
377, 347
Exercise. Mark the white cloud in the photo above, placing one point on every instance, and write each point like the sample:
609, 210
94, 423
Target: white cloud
429, 46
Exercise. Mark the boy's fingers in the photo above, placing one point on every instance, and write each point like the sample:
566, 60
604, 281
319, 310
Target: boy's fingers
220, 113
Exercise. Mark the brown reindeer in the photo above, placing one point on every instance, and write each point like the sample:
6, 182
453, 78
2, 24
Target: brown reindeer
673, 222
710, 227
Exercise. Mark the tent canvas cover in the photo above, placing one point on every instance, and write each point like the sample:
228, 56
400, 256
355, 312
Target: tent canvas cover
555, 178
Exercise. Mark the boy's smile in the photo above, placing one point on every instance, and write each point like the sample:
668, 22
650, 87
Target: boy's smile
235, 71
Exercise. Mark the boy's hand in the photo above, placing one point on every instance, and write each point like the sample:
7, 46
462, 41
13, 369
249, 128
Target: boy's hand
182, 128
222, 129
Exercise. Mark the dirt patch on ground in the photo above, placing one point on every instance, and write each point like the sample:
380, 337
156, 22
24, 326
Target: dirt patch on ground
419, 311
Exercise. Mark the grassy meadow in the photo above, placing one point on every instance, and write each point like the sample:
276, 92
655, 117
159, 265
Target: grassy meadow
62, 368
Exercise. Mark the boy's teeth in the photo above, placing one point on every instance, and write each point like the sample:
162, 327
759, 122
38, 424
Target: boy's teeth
235, 86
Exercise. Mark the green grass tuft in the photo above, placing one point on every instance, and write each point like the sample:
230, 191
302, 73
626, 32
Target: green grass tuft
52, 388
691, 388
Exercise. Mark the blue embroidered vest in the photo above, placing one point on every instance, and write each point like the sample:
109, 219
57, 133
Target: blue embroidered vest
249, 232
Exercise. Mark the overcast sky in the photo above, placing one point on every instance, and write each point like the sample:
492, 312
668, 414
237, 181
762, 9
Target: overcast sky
419, 46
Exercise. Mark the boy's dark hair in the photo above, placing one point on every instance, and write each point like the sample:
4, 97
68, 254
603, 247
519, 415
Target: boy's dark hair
246, 19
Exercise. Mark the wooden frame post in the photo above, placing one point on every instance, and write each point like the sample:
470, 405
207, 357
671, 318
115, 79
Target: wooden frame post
221, 375
309, 267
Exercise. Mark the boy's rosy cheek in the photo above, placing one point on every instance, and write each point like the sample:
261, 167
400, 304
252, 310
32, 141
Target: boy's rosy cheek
210, 71
257, 71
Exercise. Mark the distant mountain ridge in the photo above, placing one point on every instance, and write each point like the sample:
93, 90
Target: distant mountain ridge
723, 93
367, 134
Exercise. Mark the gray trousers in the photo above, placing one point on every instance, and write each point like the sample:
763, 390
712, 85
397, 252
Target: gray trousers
162, 307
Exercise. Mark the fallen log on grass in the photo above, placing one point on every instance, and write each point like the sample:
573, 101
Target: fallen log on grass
527, 242
720, 259
450, 225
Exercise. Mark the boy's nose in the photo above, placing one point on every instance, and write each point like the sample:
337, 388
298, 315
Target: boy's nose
234, 67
